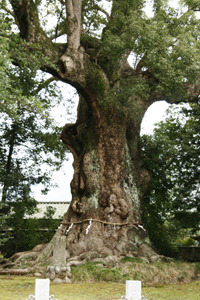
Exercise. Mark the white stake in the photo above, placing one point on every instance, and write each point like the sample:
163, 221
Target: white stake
133, 290
42, 289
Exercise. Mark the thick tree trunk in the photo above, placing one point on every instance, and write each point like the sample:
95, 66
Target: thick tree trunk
108, 183
105, 212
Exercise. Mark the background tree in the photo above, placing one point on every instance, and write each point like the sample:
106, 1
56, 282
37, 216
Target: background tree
30, 149
30, 141
49, 224
172, 202
109, 180
5, 26
27, 230
3, 227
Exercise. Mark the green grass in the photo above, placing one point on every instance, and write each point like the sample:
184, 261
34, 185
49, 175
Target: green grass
132, 260
188, 291
19, 288
135, 269
94, 272
94, 281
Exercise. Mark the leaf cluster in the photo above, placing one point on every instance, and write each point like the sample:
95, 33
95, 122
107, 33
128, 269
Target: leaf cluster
94, 17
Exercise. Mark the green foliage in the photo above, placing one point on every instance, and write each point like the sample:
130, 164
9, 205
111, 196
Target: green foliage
22, 233
192, 4
160, 235
3, 225
171, 156
11, 95
109, 275
163, 43
188, 242
48, 225
29, 142
26, 232
5, 84
132, 260
30, 148
85, 271
93, 16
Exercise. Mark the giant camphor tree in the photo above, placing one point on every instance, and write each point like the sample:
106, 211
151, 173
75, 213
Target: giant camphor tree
99, 38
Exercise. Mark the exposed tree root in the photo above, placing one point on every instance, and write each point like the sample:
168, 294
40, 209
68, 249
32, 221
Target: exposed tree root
15, 271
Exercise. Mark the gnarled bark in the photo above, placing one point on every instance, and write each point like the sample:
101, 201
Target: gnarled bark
107, 186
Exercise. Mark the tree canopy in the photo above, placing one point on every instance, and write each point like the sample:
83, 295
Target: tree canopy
164, 44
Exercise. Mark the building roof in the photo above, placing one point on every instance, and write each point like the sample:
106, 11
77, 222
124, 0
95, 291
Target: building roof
61, 209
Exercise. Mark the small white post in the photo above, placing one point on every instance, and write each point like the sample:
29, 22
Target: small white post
42, 289
133, 290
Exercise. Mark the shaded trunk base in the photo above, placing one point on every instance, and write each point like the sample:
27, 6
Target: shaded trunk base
104, 238
93, 240
81, 243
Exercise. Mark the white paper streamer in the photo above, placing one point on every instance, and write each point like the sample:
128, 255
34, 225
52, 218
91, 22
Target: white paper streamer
70, 227
140, 226
90, 224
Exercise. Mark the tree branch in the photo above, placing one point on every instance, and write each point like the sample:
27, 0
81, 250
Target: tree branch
73, 10
21, 12
43, 85
103, 11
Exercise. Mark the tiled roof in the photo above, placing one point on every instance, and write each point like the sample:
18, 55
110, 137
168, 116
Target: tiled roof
61, 208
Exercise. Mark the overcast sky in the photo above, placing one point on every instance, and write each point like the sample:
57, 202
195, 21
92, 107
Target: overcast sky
154, 114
